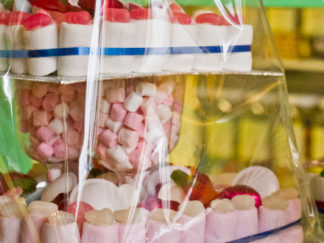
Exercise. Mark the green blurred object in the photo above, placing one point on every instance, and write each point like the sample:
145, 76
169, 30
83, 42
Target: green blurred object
27, 184
14, 159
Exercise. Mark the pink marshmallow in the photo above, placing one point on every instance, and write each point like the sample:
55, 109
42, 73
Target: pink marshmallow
32, 227
104, 106
133, 121
59, 148
34, 142
45, 134
27, 111
294, 234
73, 153
168, 101
78, 125
40, 89
36, 101
50, 101
157, 232
71, 136
24, 97
24, 126
109, 138
69, 122
135, 157
80, 88
102, 149
220, 227
100, 234
102, 119
118, 112
132, 233
141, 130
114, 95
271, 219
160, 96
100, 131
45, 150
10, 229
53, 140
41, 118
294, 210
167, 128
193, 229
127, 137
247, 223
76, 111
67, 233
148, 105
177, 106
56, 125
173, 142
68, 98
176, 119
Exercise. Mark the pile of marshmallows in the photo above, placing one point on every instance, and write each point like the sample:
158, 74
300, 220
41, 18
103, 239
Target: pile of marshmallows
136, 123
137, 28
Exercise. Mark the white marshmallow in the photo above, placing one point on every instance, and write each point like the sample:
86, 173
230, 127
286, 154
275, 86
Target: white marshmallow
164, 113
167, 85
154, 136
104, 106
145, 89
42, 38
133, 102
128, 150
119, 156
113, 125
61, 111
234, 36
182, 36
148, 105
16, 35
151, 33
118, 35
115, 94
209, 35
74, 35
159, 96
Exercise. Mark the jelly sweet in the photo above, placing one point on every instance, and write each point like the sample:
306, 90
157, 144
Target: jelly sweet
82, 208
209, 18
117, 15
139, 14
78, 18
102, 217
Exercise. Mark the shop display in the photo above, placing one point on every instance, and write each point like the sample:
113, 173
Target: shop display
100, 97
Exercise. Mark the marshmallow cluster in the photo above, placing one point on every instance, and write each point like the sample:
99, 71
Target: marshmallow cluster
145, 33
53, 116
136, 123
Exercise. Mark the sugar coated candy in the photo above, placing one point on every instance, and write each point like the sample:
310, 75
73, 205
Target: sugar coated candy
181, 18
102, 217
139, 14
233, 191
78, 17
222, 205
192, 208
128, 216
287, 193
176, 8
153, 203
117, 15
208, 18
14, 210
37, 20
82, 208
163, 215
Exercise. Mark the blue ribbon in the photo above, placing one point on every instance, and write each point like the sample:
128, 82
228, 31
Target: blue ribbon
85, 51
265, 234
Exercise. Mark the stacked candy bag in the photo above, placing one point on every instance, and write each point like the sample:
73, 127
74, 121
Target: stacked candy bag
101, 91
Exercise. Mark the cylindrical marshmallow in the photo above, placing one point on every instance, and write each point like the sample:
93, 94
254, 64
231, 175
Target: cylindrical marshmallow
271, 219
294, 210
247, 223
128, 137
10, 229
74, 35
42, 38
4, 61
104, 106
181, 36
151, 33
209, 35
119, 156
193, 229
145, 89
99, 234
113, 125
32, 227
132, 233
133, 102
68, 233
157, 232
118, 35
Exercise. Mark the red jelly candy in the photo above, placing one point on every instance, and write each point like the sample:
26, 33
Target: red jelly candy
58, 17
175, 8
16, 18
115, 4
153, 203
117, 15
209, 18
132, 6
83, 18
231, 20
37, 20
3, 18
82, 209
139, 14
55, 5
181, 18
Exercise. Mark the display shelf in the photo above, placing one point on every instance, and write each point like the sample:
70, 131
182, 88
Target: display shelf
304, 65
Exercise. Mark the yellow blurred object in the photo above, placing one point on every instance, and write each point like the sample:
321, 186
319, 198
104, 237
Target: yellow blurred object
314, 169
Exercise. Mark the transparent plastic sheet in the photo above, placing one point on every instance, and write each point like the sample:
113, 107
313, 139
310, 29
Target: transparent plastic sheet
156, 123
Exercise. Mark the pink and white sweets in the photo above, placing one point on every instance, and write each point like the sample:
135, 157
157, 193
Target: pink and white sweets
52, 114
138, 119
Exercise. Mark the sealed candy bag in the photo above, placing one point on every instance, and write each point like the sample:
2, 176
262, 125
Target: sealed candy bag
156, 122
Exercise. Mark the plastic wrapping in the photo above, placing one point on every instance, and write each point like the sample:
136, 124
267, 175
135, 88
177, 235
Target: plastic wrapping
156, 122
